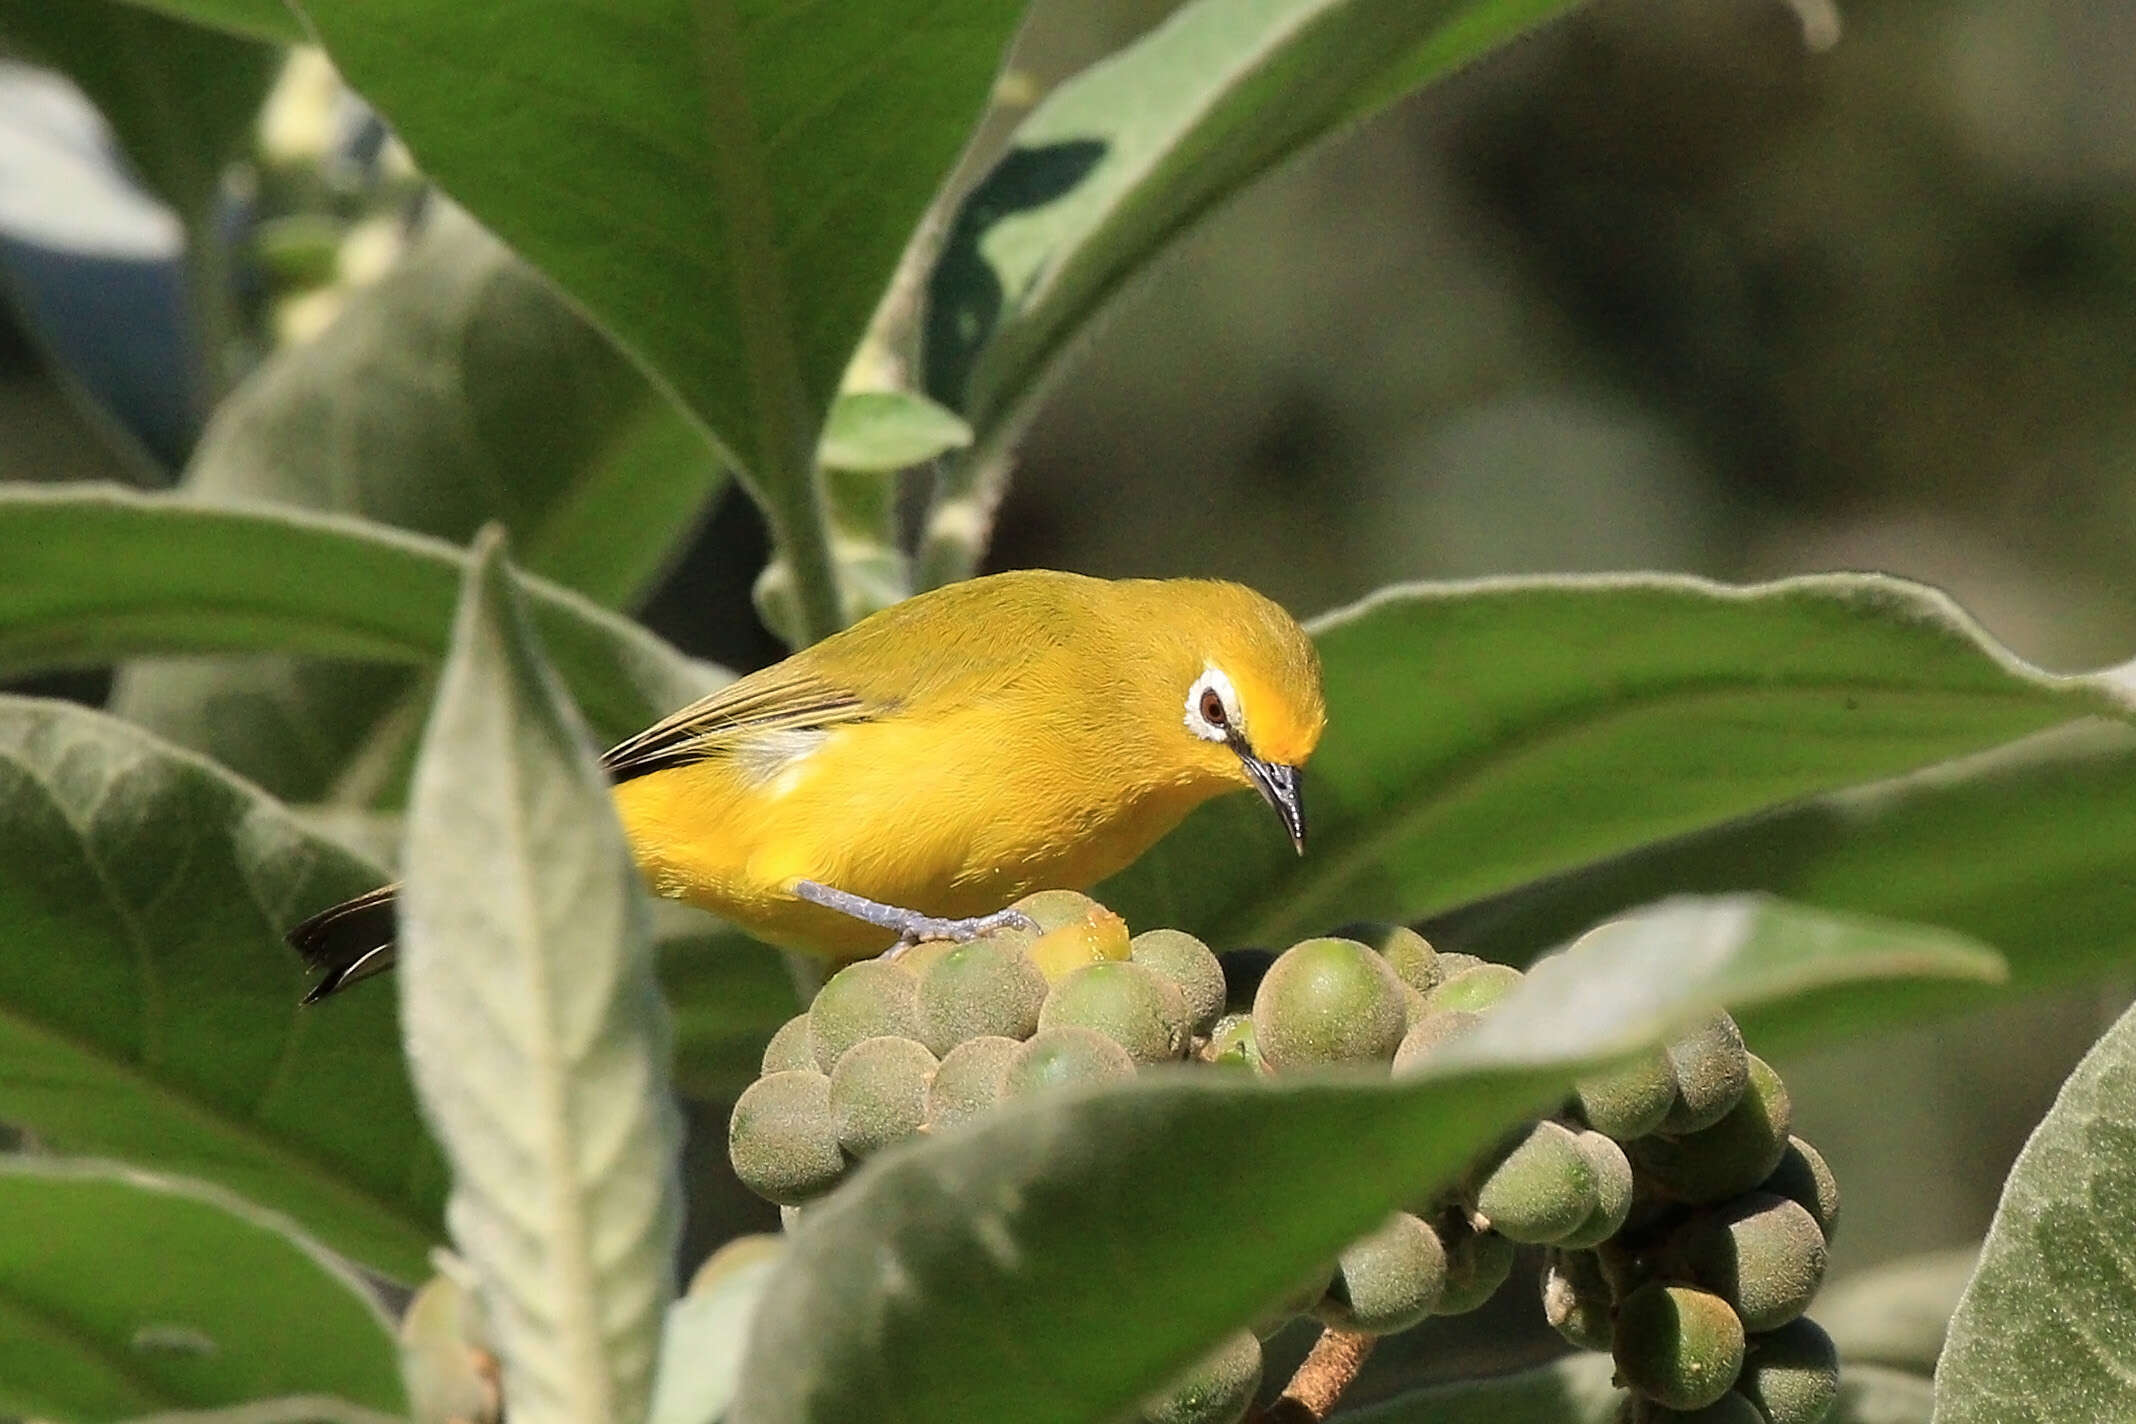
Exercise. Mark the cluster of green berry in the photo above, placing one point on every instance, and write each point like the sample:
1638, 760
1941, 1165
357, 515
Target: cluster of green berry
1685, 1228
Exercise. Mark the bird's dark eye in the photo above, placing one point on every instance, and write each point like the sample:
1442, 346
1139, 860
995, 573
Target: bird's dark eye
1212, 708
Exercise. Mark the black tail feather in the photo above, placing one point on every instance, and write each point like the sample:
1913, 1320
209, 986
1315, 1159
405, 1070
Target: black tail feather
351, 941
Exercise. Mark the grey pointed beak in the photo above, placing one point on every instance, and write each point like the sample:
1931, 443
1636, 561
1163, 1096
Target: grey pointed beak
1278, 785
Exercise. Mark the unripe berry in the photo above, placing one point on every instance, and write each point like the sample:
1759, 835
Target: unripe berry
1477, 1264
1408, 953
868, 999
879, 1093
1730, 1157
1188, 963
1613, 1191
1803, 1178
1539, 1189
984, 987
969, 1080
1388, 1281
1328, 1001
1630, 1100
1791, 1374
1056, 1057
1762, 1254
1711, 1073
789, 1048
1427, 1033
1474, 990
1131, 1004
1217, 1390
782, 1139
1576, 1299
1231, 1043
1677, 1345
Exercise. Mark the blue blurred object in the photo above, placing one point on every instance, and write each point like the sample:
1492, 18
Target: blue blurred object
94, 265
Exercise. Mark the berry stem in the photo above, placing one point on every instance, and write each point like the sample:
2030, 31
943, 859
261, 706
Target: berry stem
1310, 1396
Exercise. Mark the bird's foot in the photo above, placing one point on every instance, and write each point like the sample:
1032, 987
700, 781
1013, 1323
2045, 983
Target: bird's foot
910, 926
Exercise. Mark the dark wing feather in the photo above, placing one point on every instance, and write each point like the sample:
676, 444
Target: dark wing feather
780, 698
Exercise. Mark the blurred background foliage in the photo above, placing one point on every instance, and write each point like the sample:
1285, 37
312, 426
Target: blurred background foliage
1736, 289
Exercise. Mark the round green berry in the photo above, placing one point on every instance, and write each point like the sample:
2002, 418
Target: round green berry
1613, 1191
980, 988
1804, 1178
1056, 1057
1730, 1157
1763, 1254
1328, 1001
789, 1048
1538, 1189
1428, 1032
969, 1080
879, 1092
1231, 1043
1791, 1374
1711, 1073
782, 1139
1188, 963
1387, 1281
1630, 1100
1413, 959
1217, 1390
1576, 1299
1477, 1264
1131, 1004
1474, 990
871, 999
1677, 1345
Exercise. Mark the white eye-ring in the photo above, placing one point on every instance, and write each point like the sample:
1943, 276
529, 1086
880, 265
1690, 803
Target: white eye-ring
1213, 707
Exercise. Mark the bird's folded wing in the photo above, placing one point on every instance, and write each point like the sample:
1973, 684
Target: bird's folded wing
777, 699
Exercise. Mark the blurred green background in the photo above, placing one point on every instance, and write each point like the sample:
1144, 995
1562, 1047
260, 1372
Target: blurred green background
1739, 289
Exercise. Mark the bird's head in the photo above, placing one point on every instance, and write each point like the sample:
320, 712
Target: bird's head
1249, 703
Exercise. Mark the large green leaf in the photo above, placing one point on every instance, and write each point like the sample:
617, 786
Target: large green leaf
2032, 850
725, 184
534, 1027
180, 99
2046, 1332
148, 1007
1121, 159
122, 1292
97, 574
458, 389
1482, 735
1100, 1240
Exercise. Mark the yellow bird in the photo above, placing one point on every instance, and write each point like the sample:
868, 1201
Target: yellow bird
909, 777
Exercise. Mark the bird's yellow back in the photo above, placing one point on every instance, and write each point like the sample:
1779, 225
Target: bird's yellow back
1022, 731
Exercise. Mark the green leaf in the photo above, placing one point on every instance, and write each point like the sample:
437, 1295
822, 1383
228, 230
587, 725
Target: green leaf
1085, 1237
2032, 850
534, 1026
884, 431
460, 388
1121, 159
122, 1292
701, 1347
97, 574
1576, 1390
1897, 1314
1482, 735
180, 99
149, 1008
269, 20
725, 184
2047, 1330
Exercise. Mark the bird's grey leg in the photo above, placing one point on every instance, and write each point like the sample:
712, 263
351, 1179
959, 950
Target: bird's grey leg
910, 925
